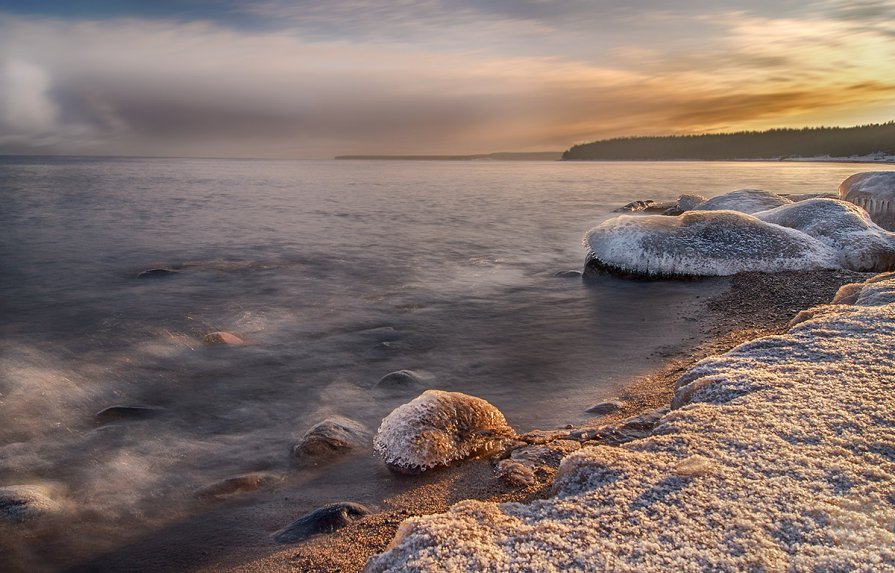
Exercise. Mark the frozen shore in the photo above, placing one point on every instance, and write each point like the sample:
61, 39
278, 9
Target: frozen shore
779, 455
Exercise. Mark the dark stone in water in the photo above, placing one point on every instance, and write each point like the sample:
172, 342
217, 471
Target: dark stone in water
235, 484
333, 436
156, 273
125, 412
604, 408
326, 519
567, 274
405, 380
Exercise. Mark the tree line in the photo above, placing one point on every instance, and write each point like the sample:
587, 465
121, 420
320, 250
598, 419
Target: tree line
771, 144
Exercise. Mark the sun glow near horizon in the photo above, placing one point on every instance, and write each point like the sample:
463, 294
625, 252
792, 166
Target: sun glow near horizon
314, 79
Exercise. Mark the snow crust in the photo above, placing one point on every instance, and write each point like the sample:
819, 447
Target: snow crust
780, 456
744, 201
438, 428
704, 243
860, 244
875, 192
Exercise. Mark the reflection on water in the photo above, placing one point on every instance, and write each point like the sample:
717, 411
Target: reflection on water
334, 273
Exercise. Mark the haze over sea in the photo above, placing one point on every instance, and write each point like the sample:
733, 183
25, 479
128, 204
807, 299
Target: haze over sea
335, 273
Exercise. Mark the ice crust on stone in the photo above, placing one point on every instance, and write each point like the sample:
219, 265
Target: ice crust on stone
744, 201
704, 243
781, 459
875, 192
861, 244
438, 428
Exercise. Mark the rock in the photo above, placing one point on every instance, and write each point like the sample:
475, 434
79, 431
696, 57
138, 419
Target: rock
684, 204
125, 412
848, 294
405, 380
333, 436
703, 243
875, 192
567, 274
236, 484
221, 338
326, 519
604, 408
545, 455
515, 474
743, 200
629, 429
156, 273
635, 206
543, 436
438, 428
21, 503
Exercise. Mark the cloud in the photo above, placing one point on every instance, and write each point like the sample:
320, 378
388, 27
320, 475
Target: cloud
496, 76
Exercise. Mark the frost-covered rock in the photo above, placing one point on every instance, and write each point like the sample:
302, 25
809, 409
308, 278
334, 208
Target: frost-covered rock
781, 461
334, 435
743, 201
438, 428
860, 244
703, 243
875, 192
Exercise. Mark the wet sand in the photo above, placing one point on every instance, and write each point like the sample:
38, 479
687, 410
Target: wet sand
756, 304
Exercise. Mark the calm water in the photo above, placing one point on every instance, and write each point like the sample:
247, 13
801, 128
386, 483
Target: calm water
336, 273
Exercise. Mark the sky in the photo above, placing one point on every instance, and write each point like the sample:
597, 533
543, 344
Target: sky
317, 78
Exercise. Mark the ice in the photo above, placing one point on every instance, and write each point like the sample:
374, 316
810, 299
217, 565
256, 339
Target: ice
779, 459
875, 192
860, 243
703, 243
438, 428
744, 201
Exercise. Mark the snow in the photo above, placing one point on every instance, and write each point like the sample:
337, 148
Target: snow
438, 428
875, 192
860, 243
704, 243
780, 456
744, 200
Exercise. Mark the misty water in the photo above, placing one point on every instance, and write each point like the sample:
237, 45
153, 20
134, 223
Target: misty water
335, 273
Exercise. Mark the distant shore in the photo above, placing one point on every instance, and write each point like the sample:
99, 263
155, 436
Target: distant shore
557, 156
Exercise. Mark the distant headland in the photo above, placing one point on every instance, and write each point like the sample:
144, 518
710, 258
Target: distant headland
873, 142
504, 156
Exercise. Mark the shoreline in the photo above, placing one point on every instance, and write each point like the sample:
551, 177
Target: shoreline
755, 305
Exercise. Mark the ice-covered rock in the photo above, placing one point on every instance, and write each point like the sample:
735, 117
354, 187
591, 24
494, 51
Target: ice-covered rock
875, 192
860, 244
743, 201
703, 243
782, 460
438, 428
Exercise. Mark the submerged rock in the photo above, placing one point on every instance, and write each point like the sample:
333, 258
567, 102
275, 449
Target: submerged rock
875, 192
156, 273
221, 338
703, 243
743, 201
326, 519
570, 274
333, 436
405, 380
438, 428
21, 503
123, 412
236, 484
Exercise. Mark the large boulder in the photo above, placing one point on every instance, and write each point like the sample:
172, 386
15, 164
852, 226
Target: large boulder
875, 192
744, 201
860, 244
438, 428
703, 243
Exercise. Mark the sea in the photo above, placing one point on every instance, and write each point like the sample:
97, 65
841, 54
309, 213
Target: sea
334, 273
